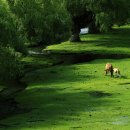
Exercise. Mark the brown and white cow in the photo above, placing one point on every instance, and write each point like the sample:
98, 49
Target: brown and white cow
116, 72
109, 68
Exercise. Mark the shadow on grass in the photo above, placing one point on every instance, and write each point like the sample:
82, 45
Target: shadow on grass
116, 38
99, 94
127, 83
50, 107
58, 75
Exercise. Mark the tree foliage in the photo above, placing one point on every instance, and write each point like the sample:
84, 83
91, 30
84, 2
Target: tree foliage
44, 21
101, 14
10, 44
10, 65
9, 33
110, 12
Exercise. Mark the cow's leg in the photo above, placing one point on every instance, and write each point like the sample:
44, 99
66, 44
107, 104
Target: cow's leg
106, 72
111, 73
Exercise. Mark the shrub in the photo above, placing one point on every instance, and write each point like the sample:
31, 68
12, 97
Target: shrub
10, 65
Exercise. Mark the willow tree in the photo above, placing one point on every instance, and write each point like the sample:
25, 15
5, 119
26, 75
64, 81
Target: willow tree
81, 16
99, 15
10, 45
44, 21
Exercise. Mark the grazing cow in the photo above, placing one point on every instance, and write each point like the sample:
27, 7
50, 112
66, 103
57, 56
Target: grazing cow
109, 68
116, 72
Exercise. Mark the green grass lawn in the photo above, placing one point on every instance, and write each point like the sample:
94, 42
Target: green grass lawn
74, 97
117, 41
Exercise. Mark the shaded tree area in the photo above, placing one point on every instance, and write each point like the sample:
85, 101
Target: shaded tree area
99, 15
47, 22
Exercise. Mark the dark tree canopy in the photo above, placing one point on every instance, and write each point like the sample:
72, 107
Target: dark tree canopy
44, 21
99, 15
10, 45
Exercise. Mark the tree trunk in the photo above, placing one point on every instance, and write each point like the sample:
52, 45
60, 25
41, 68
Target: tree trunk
80, 21
75, 34
75, 38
